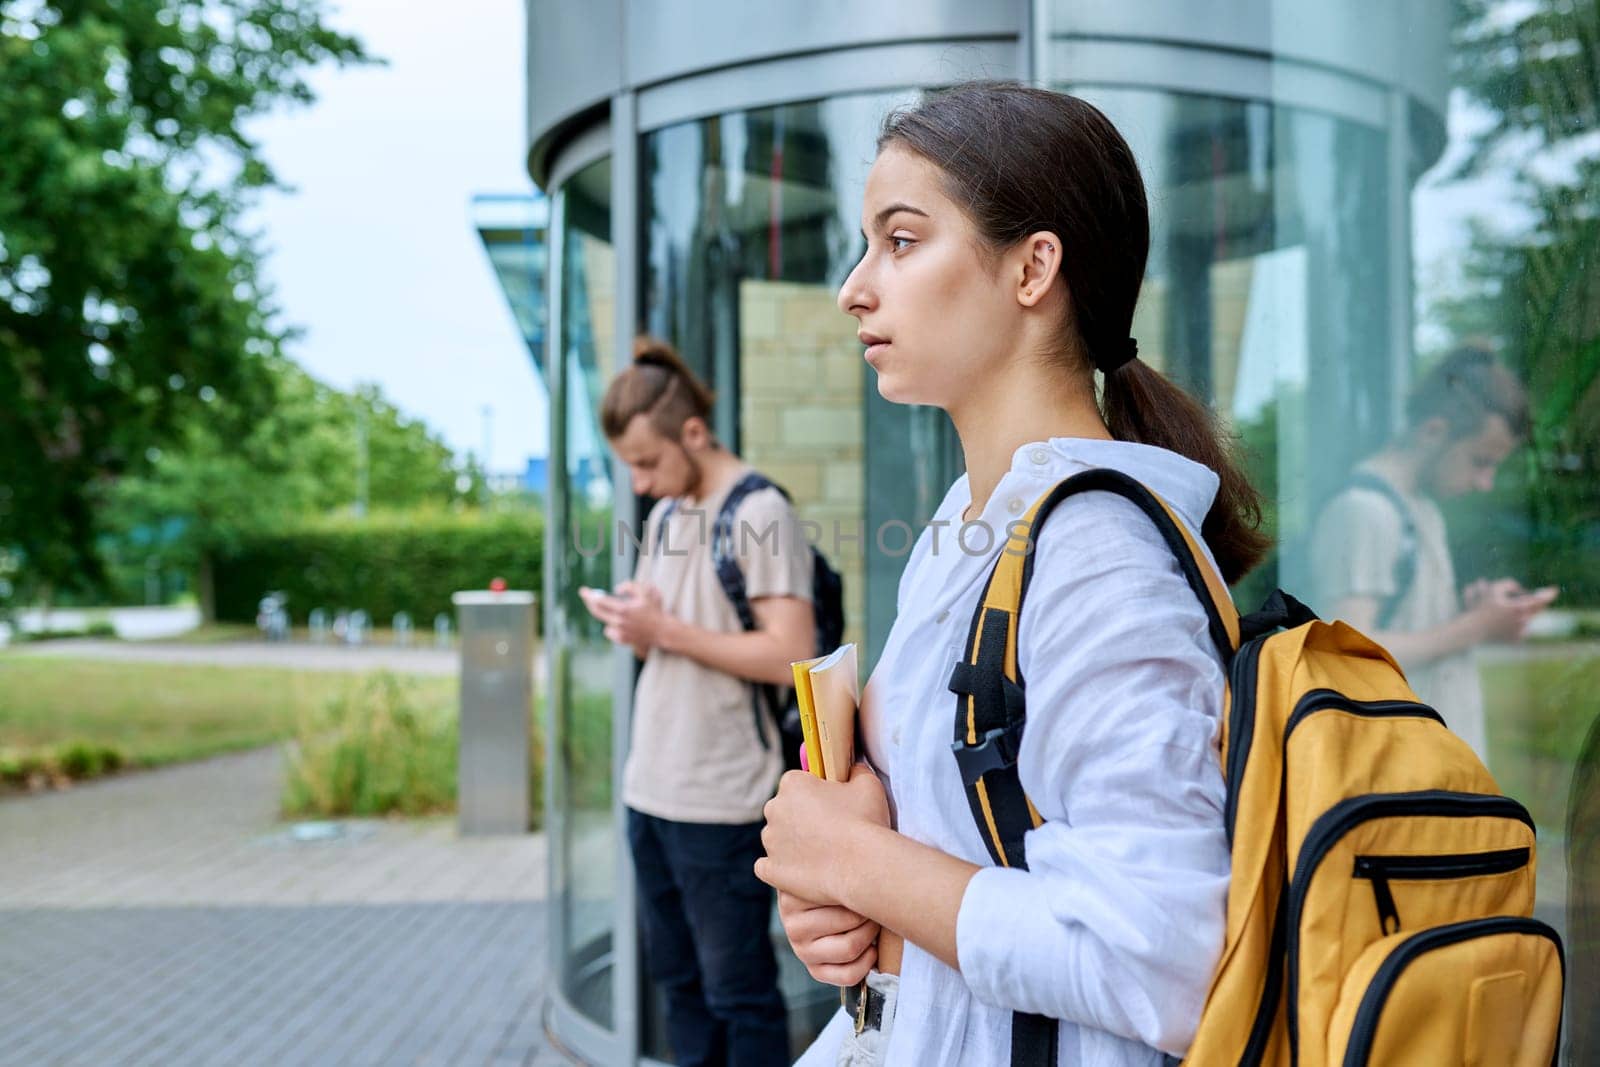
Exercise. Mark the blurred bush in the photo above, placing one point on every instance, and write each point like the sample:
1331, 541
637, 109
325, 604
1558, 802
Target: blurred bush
381, 564
375, 751
100, 628
74, 761
380, 750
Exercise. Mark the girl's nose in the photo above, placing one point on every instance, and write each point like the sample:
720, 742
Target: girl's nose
854, 294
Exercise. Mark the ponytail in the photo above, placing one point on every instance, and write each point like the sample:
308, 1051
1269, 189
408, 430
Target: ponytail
1140, 404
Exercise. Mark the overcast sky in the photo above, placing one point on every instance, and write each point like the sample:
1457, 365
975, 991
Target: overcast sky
373, 254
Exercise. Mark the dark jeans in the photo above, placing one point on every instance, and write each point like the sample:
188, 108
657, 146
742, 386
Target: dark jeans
705, 915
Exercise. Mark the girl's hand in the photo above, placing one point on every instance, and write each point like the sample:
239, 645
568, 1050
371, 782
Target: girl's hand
837, 946
809, 831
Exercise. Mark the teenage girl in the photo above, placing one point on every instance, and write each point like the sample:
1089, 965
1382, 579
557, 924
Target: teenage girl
1006, 237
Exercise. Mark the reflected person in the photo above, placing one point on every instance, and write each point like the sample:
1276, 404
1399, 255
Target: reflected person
1380, 557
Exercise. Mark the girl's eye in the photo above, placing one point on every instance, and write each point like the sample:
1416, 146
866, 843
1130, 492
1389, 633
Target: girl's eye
896, 242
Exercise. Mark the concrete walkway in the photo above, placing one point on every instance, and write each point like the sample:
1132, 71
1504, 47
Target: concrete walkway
169, 918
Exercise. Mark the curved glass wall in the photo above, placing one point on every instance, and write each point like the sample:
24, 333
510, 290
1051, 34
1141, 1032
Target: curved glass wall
583, 830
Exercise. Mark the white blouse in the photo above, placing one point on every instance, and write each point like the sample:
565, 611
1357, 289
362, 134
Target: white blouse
1117, 924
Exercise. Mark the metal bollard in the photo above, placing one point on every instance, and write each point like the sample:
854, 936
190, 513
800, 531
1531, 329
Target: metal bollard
441, 631
496, 711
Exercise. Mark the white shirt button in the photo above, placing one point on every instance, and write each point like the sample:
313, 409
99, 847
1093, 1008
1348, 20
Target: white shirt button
943, 615
1014, 505
1039, 456
895, 737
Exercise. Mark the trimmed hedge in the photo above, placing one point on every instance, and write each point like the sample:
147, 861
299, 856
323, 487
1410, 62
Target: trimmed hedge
382, 564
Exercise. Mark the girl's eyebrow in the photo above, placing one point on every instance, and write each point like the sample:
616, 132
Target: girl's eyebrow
893, 209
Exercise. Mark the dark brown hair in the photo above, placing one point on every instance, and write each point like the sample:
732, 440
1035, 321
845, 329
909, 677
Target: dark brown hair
658, 384
1020, 160
1465, 388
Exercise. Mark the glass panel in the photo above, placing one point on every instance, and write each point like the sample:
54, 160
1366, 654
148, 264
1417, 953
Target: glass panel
1505, 230
1310, 272
581, 504
752, 221
1249, 219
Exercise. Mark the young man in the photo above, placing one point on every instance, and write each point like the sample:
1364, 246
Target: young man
704, 754
1379, 556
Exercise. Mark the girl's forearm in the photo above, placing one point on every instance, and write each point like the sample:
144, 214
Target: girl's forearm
904, 886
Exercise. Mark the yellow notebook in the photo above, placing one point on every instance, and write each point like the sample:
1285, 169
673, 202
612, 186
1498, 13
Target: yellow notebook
827, 691
808, 713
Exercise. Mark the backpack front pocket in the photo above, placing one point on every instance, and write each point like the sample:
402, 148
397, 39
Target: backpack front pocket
1482, 993
1394, 863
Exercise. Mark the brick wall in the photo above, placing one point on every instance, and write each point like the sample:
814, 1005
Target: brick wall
801, 415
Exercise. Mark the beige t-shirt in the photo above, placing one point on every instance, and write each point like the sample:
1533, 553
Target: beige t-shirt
1354, 552
695, 754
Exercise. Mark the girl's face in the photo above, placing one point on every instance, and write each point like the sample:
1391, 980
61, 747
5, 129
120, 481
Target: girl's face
936, 315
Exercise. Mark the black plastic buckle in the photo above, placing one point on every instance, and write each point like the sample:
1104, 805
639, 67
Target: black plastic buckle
997, 751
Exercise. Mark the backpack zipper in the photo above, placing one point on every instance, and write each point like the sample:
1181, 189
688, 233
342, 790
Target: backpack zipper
1328, 700
1345, 816
1381, 870
1365, 1028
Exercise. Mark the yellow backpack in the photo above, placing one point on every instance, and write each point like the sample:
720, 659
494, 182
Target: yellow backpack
1382, 887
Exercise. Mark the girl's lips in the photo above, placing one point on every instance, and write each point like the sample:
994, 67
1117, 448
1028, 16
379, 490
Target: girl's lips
875, 350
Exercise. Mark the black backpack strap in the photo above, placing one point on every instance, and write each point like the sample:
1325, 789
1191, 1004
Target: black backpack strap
1405, 564
731, 578
991, 710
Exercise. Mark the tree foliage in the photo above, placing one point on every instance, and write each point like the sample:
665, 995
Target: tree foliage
1535, 68
314, 450
132, 316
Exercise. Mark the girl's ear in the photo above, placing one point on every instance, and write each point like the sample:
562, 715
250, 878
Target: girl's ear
1038, 267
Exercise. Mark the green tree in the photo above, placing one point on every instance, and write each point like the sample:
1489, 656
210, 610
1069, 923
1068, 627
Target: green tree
1534, 69
130, 302
308, 453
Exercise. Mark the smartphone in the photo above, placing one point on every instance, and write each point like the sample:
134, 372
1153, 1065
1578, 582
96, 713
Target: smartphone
598, 598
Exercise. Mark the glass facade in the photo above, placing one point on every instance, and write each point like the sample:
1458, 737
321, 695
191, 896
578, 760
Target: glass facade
1315, 253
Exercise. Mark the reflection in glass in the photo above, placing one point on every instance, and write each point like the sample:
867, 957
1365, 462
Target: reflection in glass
1277, 232
580, 514
1506, 227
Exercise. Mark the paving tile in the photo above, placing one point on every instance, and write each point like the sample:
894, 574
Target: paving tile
169, 918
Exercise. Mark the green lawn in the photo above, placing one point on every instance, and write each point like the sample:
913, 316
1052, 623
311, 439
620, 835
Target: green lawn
81, 717
1539, 713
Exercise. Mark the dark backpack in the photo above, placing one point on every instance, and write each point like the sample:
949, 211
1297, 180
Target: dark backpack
827, 603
